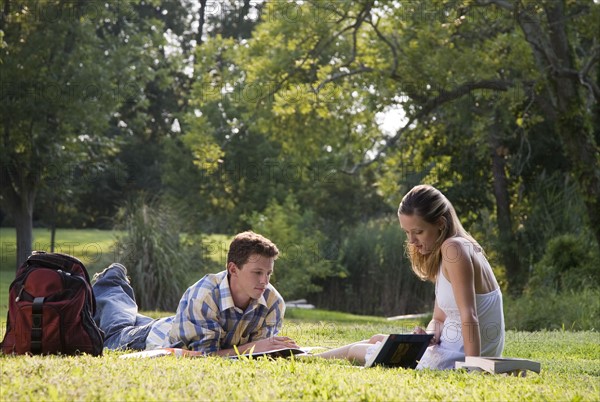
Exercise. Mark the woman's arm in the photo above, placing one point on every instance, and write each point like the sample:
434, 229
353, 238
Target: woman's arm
457, 263
435, 326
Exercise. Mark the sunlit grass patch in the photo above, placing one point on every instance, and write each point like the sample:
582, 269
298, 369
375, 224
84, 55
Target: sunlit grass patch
109, 378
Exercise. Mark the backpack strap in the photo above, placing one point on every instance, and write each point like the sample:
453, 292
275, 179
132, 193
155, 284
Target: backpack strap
36, 325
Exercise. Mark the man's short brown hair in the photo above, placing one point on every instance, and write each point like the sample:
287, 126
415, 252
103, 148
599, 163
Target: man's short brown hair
247, 243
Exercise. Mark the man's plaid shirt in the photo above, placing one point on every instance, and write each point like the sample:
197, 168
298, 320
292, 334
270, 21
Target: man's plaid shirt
207, 320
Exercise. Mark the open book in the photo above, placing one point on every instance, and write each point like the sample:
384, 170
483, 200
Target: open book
400, 350
286, 352
497, 365
162, 352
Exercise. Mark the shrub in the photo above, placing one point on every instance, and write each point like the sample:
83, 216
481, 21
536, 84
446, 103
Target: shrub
379, 277
554, 206
153, 254
569, 263
302, 260
572, 310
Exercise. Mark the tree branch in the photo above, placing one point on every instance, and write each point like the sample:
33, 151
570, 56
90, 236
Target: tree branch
388, 43
201, 21
505, 4
429, 107
338, 75
583, 75
362, 15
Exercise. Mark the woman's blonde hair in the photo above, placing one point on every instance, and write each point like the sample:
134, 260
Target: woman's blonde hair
429, 204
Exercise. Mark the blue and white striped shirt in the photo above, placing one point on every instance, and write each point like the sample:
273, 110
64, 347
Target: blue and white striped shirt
207, 319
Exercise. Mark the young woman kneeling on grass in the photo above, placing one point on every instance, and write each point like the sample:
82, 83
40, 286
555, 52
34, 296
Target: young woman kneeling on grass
467, 317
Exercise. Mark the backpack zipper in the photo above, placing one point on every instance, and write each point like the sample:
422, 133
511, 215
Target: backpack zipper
59, 271
20, 293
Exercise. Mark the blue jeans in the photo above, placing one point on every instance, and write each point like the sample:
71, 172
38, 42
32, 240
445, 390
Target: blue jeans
117, 311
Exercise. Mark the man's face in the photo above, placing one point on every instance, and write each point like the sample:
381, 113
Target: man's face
420, 233
254, 276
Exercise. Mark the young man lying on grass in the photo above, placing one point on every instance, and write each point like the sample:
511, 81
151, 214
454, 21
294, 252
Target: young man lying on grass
236, 307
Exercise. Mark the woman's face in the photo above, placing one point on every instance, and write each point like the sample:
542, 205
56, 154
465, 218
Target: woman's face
421, 234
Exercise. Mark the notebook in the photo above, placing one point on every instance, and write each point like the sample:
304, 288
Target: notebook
400, 350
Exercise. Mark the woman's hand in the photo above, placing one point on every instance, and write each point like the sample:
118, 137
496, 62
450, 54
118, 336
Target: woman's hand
433, 341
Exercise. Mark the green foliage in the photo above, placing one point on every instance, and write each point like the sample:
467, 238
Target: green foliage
152, 252
192, 190
572, 310
378, 280
570, 263
302, 262
67, 69
553, 207
286, 98
462, 73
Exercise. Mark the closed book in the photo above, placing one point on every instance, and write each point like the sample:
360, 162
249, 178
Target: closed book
498, 365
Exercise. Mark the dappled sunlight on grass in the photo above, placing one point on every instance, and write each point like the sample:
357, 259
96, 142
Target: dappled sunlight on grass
170, 378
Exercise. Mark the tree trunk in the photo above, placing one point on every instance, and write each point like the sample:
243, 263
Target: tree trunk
19, 204
17, 194
583, 156
508, 246
23, 224
52, 236
576, 133
201, 21
554, 58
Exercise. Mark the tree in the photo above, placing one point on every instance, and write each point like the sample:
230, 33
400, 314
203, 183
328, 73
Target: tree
65, 69
323, 72
563, 40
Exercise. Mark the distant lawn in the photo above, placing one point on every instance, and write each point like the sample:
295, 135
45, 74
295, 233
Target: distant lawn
95, 248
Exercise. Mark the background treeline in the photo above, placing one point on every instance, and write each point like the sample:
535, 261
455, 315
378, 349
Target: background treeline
307, 122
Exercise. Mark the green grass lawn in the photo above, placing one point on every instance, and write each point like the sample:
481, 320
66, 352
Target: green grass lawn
570, 372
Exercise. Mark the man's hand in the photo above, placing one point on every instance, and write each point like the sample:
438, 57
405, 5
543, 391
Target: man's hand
274, 342
264, 345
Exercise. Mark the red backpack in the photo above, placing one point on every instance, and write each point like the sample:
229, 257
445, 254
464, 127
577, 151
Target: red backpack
51, 308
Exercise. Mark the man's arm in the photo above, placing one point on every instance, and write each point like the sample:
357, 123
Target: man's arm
196, 324
263, 345
273, 321
263, 338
